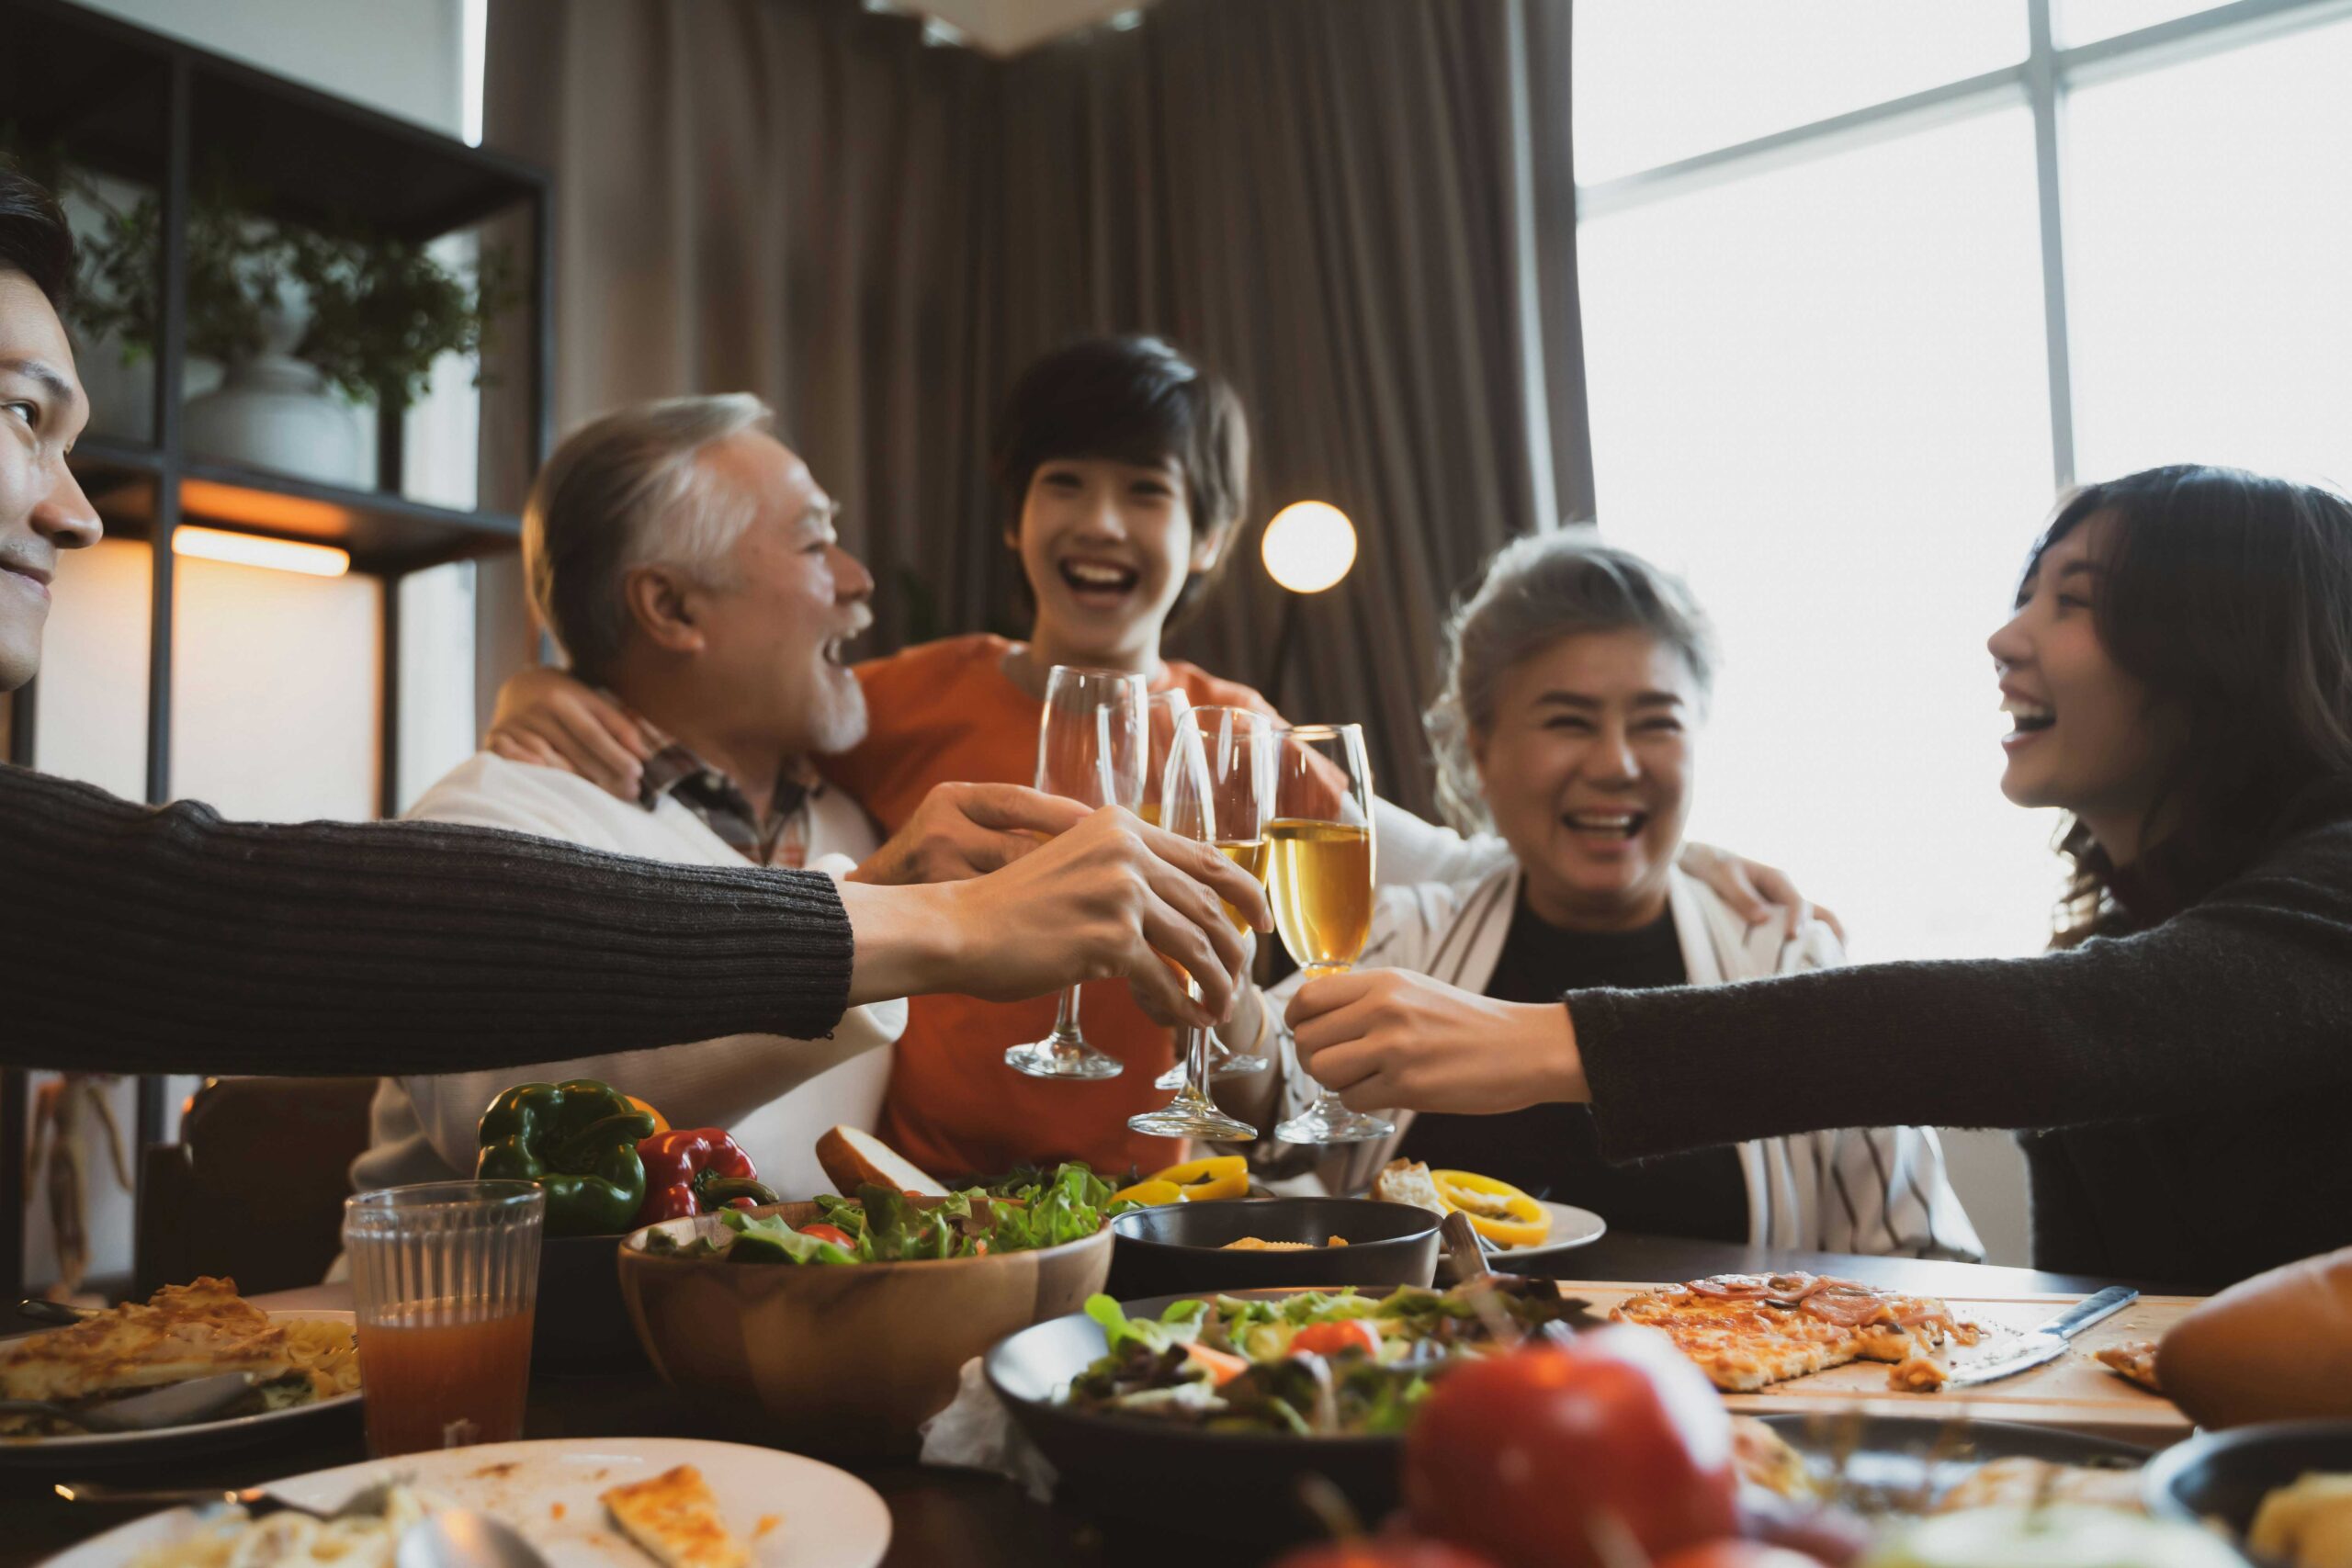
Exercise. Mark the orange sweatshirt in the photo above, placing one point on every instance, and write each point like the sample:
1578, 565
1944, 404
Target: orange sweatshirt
948, 711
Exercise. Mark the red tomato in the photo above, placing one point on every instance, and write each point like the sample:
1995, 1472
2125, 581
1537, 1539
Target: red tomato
1399, 1551
1331, 1338
1738, 1554
1546, 1457
833, 1233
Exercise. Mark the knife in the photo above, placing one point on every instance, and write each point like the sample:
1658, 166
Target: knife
2048, 1342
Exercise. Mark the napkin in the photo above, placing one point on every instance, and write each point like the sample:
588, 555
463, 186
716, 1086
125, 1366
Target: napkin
977, 1432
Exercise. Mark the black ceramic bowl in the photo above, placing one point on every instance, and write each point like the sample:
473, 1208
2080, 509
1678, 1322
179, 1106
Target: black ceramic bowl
2224, 1475
1133, 1466
581, 1321
1178, 1249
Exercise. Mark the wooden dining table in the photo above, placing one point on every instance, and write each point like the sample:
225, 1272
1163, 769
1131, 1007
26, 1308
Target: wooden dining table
940, 1517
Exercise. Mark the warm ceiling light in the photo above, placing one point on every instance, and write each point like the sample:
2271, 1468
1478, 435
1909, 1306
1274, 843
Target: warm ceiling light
1308, 546
252, 549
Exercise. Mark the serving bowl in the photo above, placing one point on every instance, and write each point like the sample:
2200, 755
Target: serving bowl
2225, 1475
1178, 1249
1131, 1466
846, 1358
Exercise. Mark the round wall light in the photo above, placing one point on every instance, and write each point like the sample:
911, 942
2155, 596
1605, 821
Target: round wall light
1308, 546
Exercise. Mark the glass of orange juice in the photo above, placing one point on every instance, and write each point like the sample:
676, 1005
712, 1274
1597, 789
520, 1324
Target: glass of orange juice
445, 1278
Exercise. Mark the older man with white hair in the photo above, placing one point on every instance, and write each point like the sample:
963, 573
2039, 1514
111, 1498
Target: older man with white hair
686, 560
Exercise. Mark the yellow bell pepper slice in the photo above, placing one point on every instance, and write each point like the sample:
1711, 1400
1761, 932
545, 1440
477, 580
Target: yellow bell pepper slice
1498, 1211
1206, 1181
1151, 1192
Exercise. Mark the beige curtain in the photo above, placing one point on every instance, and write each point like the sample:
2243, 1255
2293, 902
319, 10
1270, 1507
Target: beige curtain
1359, 210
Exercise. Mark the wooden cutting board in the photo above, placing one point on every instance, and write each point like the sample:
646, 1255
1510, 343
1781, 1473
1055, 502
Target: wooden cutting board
2072, 1392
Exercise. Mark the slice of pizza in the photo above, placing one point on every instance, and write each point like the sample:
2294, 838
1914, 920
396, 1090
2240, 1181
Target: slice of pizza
184, 1331
2135, 1360
673, 1518
1749, 1331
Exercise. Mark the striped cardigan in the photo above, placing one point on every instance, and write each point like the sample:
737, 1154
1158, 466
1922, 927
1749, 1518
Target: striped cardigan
1874, 1190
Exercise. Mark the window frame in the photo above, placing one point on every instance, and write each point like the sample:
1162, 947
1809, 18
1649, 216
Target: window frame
2041, 80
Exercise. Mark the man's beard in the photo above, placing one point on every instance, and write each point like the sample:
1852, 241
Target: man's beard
837, 721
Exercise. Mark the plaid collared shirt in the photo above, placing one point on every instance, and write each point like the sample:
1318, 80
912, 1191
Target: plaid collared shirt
778, 837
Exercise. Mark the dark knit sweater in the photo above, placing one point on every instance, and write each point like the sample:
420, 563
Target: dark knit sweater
2189, 1087
141, 939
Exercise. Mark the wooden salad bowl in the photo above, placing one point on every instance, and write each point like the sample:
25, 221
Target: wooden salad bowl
838, 1359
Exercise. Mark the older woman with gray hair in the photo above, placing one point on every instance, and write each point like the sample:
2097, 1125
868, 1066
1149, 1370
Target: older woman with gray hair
1576, 678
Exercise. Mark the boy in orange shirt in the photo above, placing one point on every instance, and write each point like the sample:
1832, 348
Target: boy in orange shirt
1124, 468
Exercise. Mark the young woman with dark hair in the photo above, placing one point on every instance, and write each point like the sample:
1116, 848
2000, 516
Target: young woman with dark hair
2179, 673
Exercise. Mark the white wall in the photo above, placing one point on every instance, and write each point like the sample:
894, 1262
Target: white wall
404, 57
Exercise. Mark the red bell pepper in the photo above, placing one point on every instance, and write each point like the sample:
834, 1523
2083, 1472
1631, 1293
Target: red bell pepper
692, 1170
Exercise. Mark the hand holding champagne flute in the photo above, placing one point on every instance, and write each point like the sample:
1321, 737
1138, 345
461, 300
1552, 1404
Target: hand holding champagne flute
1092, 747
1167, 713
1217, 789
1319, 880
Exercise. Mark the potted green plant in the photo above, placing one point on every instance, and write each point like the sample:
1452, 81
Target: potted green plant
304, 323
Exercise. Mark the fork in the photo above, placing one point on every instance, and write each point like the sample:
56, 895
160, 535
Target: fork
259, 1502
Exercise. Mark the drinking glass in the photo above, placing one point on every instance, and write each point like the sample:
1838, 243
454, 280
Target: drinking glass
1217, 788
445, 1278
1091, 747
1320, 879
1168, 709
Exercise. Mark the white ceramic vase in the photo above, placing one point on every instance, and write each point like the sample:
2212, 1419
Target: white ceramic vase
274, 412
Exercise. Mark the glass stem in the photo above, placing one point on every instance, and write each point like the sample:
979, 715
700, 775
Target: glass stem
1196, 1053
1065, 1020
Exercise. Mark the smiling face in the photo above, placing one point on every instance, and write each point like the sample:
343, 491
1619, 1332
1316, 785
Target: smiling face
1107, 546
2087, 736
768, 630
1586, 770
42, 509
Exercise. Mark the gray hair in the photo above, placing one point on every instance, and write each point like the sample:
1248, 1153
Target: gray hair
626, 490
1536, 591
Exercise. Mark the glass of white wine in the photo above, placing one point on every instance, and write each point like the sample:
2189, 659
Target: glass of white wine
1168, 709
1218, 788
1318, 878
1091, 747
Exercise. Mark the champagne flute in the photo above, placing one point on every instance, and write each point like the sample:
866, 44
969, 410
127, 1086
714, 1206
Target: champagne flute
1319, 880
1093, 748
1168, 710
1217, 788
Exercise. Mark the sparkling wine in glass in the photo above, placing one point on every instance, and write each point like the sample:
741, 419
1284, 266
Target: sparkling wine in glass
1168, 709
1091, 747
1217, 788
1320, 879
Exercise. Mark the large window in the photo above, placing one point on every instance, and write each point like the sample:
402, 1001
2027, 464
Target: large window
1865, 286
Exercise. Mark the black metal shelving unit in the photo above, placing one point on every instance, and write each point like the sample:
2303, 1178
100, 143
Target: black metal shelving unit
123, 101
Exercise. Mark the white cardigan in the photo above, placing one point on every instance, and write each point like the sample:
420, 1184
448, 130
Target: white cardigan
1878, 1190
777, 1095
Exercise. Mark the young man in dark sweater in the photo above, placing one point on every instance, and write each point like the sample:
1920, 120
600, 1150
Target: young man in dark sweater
136, 938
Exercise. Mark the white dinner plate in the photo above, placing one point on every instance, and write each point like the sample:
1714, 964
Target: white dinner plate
112, 1447
791, 1511
1571, 1228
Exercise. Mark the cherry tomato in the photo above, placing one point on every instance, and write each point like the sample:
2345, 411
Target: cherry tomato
1329, 1338
833, 1233
1553, 1457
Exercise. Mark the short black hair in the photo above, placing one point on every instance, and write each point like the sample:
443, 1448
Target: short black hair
34, 239
1131, 399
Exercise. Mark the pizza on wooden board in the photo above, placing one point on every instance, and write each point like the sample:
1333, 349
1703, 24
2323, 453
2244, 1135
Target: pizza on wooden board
1746, 1331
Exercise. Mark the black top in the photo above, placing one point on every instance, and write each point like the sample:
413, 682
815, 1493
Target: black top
161, 938
2187, 1085
1553, 1151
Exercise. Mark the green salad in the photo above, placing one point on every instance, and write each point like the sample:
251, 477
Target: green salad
1309, 1364
1020, 1213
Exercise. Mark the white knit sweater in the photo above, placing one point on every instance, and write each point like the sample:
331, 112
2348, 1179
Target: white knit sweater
776, 1095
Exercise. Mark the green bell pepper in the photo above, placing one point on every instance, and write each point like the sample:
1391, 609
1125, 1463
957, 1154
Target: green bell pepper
578, 1140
